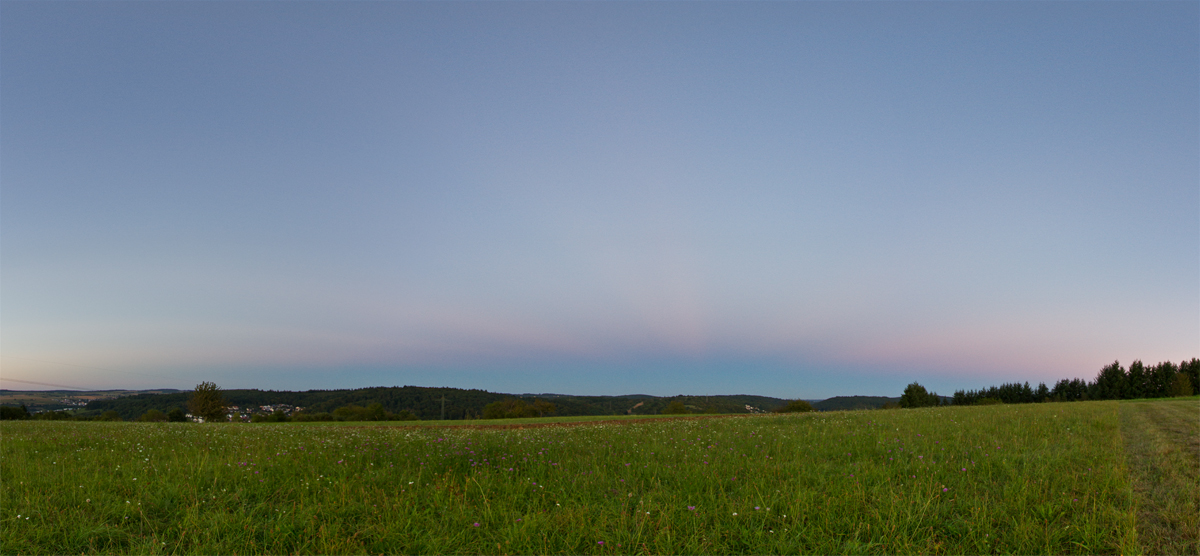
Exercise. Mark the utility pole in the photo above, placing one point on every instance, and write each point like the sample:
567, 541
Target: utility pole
443, 407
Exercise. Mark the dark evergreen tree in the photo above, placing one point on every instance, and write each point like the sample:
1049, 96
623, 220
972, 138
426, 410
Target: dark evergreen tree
1139, 386
1042, 393
915, 395
1192, 370
1159, 379
1111, 384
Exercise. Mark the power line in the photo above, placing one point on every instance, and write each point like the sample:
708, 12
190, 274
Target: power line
47, 384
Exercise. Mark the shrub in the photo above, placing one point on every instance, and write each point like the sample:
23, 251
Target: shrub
110, 415
305, 416
676, 407
512, 408
9, 412
1181, 385
796, 406
54, 416
153, 416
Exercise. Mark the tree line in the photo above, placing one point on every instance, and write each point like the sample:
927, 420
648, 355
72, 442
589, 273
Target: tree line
1114, 382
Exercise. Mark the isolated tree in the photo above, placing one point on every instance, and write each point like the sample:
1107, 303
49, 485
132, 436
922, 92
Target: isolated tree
915, 395
176, 416
795, 406
208, 402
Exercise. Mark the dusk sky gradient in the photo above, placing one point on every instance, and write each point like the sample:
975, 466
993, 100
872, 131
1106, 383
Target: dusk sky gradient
798, 200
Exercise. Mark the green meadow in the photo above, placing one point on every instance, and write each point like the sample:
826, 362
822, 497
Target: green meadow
1035, 478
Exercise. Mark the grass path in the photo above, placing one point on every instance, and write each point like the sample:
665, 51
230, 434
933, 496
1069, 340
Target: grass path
1162, 450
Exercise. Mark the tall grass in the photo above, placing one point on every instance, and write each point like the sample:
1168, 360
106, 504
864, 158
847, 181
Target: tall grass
998, 479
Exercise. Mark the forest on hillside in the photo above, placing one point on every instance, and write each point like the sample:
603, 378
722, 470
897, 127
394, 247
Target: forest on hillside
427, 403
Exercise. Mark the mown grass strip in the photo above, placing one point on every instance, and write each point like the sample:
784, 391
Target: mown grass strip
1162, 450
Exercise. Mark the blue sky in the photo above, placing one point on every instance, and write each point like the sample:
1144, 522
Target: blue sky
787, 199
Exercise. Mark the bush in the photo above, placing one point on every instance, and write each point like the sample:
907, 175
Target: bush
305, 416
9, 412
512, 408
406, 415
153, 416
176, 416
1181, 385
110, 415
796, 406
54, 416
676, 407
989, 401
278, 416
373, 412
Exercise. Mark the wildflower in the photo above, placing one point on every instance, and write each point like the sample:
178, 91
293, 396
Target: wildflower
476, 524
601, 543
692, 508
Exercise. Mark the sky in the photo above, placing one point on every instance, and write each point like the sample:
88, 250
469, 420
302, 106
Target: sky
798, 200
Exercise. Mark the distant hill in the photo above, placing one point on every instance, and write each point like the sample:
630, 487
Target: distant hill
425, 403
53, 400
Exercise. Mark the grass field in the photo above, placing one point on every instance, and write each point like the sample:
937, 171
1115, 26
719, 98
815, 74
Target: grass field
1045, 478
